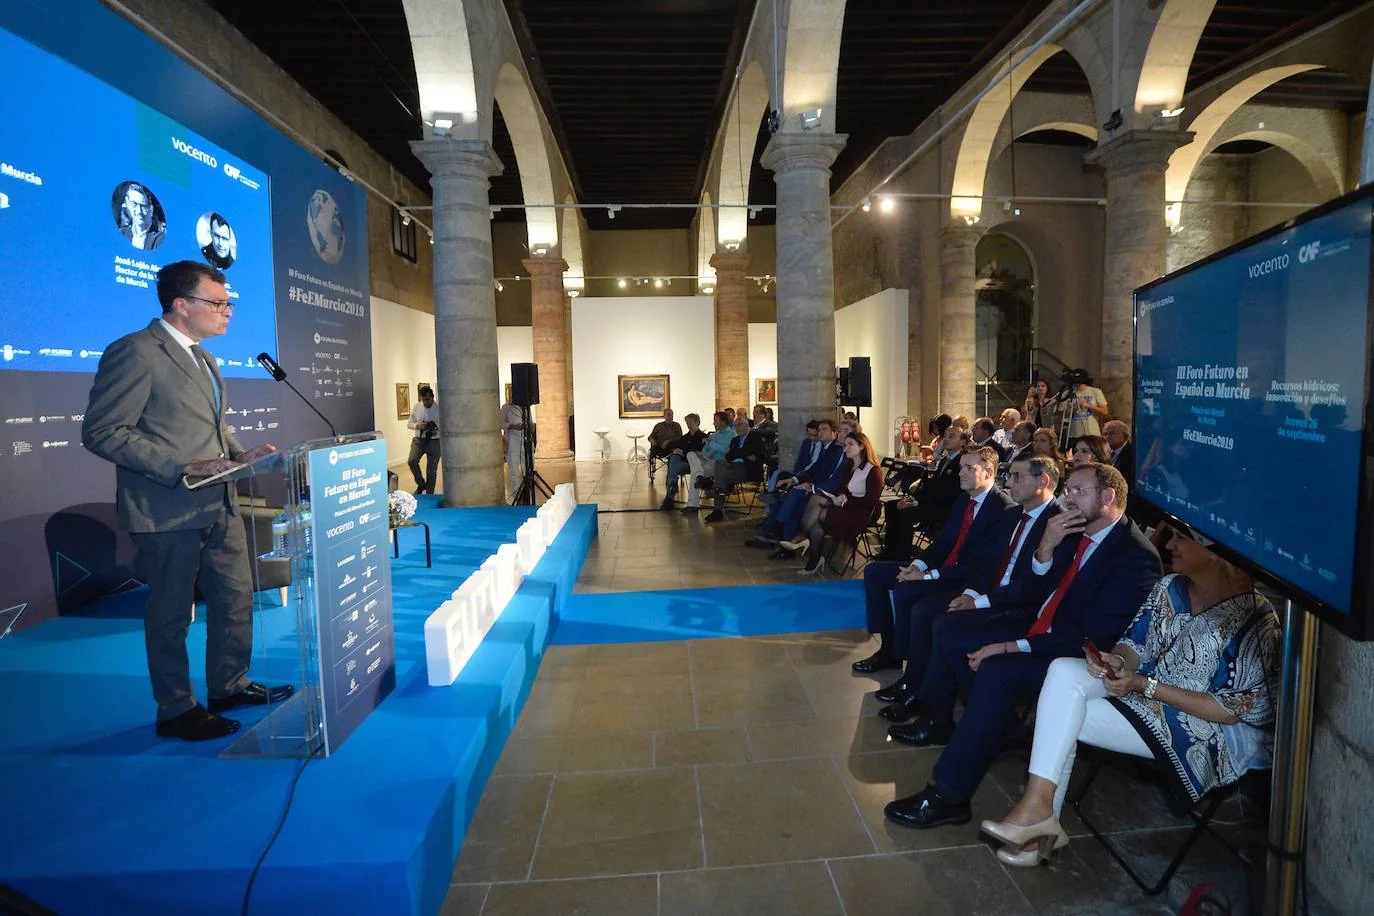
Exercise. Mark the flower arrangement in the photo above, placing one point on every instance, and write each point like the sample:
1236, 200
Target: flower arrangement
401, 506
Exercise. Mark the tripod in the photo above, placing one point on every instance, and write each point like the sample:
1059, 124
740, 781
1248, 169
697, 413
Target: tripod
531, 484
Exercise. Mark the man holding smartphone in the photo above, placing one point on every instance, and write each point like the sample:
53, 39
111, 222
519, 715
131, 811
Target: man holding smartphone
424, 419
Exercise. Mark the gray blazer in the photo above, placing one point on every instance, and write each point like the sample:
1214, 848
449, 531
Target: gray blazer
151, 411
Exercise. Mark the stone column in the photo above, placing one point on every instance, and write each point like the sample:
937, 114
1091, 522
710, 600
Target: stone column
806, 281
1135, 242
732, 330
465, 319
550, 354
958, 324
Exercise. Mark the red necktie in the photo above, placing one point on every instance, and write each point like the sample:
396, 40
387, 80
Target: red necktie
1011, 548
1046, 619
963, 533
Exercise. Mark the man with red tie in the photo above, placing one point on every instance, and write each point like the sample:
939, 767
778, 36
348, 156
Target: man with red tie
891, 589
1094, 568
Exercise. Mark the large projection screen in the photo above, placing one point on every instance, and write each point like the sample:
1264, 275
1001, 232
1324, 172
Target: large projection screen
1251, 404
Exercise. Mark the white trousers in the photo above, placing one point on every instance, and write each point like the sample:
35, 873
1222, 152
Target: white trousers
515, 457
1073, 707
697, 467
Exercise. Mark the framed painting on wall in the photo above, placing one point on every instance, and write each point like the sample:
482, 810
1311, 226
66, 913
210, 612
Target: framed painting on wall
403, 400
508, 394
766, 391
642, 396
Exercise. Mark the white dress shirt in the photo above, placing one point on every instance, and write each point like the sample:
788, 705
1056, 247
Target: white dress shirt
977, 505
1041, 569
982, 601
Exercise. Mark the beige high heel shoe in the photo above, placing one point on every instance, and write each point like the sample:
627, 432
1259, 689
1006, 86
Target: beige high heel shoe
1038, 854
1017, 835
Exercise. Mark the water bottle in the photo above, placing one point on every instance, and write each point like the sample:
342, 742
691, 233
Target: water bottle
306, 518
280, 526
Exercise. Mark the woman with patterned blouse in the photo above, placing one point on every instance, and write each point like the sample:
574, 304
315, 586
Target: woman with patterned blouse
1191, 683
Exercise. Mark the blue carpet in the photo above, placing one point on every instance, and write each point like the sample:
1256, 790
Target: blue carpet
757, 610
103, 817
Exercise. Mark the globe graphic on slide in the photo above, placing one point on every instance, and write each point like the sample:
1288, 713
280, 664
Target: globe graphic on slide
325, 223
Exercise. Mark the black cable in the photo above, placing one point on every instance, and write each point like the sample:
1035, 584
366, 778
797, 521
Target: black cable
281, 822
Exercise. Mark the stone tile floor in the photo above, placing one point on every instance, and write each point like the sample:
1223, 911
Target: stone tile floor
725, 776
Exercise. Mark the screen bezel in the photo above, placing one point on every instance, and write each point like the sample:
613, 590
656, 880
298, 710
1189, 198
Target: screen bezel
1357, 623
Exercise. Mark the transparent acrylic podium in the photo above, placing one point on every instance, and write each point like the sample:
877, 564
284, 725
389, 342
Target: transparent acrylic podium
275, 494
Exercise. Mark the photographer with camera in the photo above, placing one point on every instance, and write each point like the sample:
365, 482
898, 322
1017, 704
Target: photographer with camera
424, 419
1089, 405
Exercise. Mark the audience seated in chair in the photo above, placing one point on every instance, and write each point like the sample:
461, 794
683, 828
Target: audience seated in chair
1006, 426
701, 463
845, 512
890, 589
677, 451
1118, 436
807, 455
1191, 683
1095, 568
789, 503
1020, 445
1046, 442
936, 430
665, 431
743, 462
1090, 450
983, 435
928, 503
1001, 584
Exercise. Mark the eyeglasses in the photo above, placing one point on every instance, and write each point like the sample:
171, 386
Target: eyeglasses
219, 305
1075, 491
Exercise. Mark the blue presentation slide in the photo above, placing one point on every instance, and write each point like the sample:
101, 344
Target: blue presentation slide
1251, 379
97, 192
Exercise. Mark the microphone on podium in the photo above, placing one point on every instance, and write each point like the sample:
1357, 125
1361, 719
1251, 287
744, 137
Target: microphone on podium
275, 370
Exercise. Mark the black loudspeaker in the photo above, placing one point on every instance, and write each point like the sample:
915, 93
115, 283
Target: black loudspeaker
860, 382
841, 385
524, 384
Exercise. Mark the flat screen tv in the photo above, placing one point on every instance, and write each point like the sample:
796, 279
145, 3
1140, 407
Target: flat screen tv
1252, 379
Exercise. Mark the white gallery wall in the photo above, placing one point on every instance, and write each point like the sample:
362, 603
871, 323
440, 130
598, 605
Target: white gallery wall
513, 345
876, 327
402, 351
763, 361
626, 335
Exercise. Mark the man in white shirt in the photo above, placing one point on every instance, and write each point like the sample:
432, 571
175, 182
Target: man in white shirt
424, 419
513, 433
1010, 417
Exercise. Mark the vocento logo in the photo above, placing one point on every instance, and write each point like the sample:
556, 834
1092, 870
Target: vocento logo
1271, 265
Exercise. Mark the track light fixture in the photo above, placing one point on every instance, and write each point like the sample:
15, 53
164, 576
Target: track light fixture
867, 205
887, 205
405, 216
810, 120
612, 210
574, 293
622, 283
754, 212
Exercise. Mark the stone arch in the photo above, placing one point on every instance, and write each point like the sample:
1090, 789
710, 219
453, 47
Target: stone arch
570, 246
1325, 174
811, 60
706, 245
1209, 121
980, 134
1005, 312
521, 113
443, 59
1170, 43
737, 155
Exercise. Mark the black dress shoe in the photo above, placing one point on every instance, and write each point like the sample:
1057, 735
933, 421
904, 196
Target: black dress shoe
927, 809
878, 661
667, 504
894, 693
922, 733
196, 724
908, 707
252, 695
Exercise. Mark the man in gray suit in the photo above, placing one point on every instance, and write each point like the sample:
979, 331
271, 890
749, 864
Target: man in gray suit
157, 412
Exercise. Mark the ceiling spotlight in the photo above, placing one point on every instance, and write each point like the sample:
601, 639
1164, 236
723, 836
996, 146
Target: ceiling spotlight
732, 245
867, 205
658, 284
621, 283
574, 293
612, 210
754, 212
887, 205
971, 219
500, 287
443, 123
811, 119
405, 217
539, 251
707, 290
1171, 112
344, 171
1015, 211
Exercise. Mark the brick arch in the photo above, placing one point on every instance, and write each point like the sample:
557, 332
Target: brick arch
736, 156
1208, 122
518, 107
982, 130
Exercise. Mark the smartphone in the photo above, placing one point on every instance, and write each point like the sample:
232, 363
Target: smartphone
1095, 654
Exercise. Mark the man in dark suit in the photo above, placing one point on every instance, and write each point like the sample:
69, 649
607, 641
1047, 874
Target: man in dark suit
1118, 437
785, 514
1102, 567
890, 589
157, 412
928, 502
1001, 579
984, 433
1021, 435
743, 461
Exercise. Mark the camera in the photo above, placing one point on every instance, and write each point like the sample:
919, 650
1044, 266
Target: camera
1071, 377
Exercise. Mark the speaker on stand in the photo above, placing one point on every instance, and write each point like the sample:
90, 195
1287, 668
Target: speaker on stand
524, 393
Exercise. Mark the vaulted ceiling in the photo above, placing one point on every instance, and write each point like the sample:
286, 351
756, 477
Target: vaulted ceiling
635, 89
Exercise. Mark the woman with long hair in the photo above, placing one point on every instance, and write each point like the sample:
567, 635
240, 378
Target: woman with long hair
845, 514
1090, 450
936, 430
1191, 684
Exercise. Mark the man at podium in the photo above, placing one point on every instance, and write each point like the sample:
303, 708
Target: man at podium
157, 412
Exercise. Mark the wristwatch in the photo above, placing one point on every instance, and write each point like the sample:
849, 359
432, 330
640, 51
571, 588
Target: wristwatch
1151, 685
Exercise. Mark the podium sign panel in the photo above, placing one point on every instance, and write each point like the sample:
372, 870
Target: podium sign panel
350, 532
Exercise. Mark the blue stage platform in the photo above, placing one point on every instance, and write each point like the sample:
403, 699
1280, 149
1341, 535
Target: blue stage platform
101, 816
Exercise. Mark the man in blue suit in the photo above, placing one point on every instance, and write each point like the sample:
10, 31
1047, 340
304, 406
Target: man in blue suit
1095, 568
1002, 578
784, 516
890, 589
806, 456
